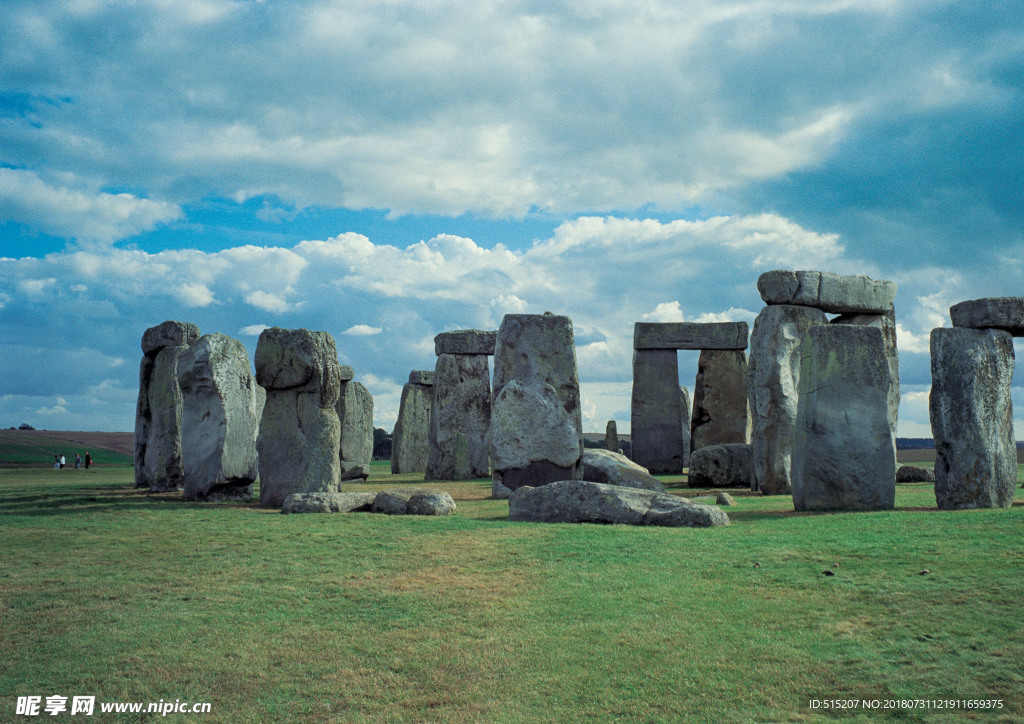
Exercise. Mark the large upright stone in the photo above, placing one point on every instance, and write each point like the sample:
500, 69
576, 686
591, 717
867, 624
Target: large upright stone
773, 377
656, 427
843, 456
355, 413
1005, 313
828, 292
537, 431
690, 335
300, 433
684, 427
218, 419
887, 323
158, 462
972, 418
410, 441
721, 414
460, 418
611, 436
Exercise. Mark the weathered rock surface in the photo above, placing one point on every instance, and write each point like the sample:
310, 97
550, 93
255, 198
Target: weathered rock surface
828, 292
656, 428
611, 436
773, 376
413, 502
460, 418
536, 428
914, 474
327, 502
300, 434
355, 413
578, 501
1005, 313
218, 419
721, 414
843, 456
690, 335
158, 462
972, 418
168, 334
887, 323
605, 466
410, 441
684, 411
721, 466
465, 341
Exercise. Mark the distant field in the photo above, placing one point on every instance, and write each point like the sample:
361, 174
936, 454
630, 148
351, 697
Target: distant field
36, 448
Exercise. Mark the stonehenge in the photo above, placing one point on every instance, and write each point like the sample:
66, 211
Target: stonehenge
300, 433
410, 440
460, 413
158, 461
720, 413
355, 413
218, 419
536, 421
611, 437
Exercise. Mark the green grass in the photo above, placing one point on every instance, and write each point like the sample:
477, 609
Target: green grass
20, 448
109, 591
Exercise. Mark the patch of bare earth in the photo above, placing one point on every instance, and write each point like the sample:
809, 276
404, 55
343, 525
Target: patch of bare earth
122, 442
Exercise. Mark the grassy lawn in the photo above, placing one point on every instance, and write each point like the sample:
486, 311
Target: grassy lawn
109, 591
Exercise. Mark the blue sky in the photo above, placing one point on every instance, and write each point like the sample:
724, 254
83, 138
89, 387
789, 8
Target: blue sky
386, 171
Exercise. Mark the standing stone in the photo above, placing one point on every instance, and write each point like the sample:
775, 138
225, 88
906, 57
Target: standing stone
611, 437
720, 466
158, 462
972, 418
355, 413
684, 427
843, 456
410, 441
300, 433
773, 377
721, 414
537, 430
218, 419
656, 427
460, 418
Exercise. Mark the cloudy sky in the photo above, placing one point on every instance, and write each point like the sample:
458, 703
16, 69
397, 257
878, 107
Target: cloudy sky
389, 170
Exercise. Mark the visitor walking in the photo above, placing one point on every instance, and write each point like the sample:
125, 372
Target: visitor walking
63, 462
78, 461
88, 459
56, 462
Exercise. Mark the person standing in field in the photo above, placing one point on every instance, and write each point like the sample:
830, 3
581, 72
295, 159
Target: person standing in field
78, 461
56, 462
88, 459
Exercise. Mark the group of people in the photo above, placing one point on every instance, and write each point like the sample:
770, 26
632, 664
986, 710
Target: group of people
59, 462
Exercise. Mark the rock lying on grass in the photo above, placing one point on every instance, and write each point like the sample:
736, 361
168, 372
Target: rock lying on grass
578, 501
611, 468
327, 502
720, 499
721, 466
914, 474
413, 502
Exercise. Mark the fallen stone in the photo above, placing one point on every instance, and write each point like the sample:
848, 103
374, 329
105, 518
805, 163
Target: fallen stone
465, 341
355, 413
724, 499
168, 334
578, 501
971, 414
721, 466
828, 292
327, 502
721, 413
460, 418
843, 456
1006, 313
218, 419
913, 474
605, 466
416, 502
773, 377
690, 335
410, 440
657, 424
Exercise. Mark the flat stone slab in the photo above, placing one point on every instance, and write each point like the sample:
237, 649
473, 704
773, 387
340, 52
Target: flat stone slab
690, 335
422, 377
828, 292
1005, 313
914, 474
578, 501
465, 341
327, 502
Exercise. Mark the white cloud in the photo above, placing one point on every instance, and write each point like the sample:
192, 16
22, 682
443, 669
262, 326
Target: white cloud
195, 295
268, 302
664, 312
35, 287
362, 330
253, 330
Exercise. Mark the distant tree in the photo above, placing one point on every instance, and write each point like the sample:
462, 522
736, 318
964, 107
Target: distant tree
381, 444
25, 426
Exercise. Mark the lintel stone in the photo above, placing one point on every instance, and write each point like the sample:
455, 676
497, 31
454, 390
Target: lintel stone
828, 292
689, 335
990, 313
465, 341
422, 377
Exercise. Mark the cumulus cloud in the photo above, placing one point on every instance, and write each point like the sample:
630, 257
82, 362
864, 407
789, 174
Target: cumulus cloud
253, 330
362, 330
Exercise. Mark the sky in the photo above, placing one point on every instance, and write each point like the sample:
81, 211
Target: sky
388, 170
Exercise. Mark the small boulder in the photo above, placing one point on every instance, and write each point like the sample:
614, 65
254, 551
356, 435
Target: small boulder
578, 501
721, 466
913, 474
327, 502
413, 502
605, 466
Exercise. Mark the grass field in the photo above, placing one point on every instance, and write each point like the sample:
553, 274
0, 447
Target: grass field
31, 448
108, 591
